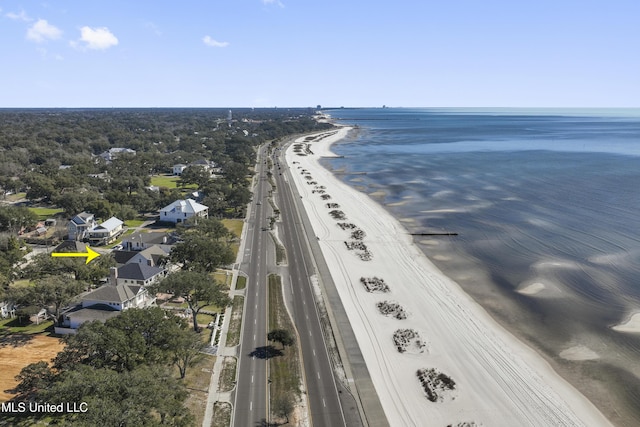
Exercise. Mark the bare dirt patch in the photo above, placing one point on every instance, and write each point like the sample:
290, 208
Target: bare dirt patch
14, 358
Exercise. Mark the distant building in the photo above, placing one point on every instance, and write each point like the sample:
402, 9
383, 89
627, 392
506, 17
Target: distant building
181, 210
178, 169
113, 153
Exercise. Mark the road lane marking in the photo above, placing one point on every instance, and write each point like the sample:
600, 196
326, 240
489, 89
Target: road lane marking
251, 406
324, 403
251, 379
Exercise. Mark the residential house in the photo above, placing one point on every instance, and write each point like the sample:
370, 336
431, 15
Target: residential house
152, 256
181, 210
140, 241
112, 153
105, 303
7, 309
106, 232
179, 168
135, 273
71, 246
80, 225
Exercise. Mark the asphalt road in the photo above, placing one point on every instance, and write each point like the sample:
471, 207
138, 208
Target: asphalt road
323, 393
251, 404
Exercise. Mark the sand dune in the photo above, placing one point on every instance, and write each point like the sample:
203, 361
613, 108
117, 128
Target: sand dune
499, 381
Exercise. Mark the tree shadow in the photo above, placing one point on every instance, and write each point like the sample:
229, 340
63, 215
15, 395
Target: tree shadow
265, 423
266, 352
14, 340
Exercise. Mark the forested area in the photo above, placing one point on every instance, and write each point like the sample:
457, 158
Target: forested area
51, 158
53, 155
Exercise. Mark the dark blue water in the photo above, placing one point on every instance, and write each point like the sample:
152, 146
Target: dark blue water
546, 197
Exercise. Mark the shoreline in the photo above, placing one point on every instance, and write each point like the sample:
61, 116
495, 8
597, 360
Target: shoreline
499, 380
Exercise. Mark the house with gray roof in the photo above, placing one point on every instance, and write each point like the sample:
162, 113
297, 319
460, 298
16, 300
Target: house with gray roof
141, 241
109, 300
152, 256
80, 225
134, 273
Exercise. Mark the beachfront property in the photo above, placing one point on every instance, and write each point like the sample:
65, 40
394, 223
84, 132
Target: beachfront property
181, 210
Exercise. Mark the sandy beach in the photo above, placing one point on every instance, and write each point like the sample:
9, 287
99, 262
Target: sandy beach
410, 319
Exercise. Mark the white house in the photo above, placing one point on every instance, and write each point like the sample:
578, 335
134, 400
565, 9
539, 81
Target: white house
134, 273
179, 168
7, 309
106, 232
140, 241
112, 153
80, 225
150, 256
181, 210
104, 303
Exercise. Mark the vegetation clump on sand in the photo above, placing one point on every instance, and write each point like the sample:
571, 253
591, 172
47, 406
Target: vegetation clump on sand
332, 205
358, 234
392, 309
316, 190
464, 424
324, 196
408, 339
361, 249
435, 383
374, 284
347, 226
339, 215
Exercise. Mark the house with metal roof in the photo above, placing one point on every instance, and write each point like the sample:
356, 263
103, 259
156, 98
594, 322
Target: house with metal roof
106, 232
181, 210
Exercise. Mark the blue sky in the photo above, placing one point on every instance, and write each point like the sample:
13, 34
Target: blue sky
298, 53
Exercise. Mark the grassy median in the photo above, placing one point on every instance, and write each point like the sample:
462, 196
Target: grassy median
284, 370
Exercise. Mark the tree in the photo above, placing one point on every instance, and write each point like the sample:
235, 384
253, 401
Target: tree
13, 218
282, 406
185, 348
283, 336
198, 290
194, 175
201, 253
54, 290
33, 378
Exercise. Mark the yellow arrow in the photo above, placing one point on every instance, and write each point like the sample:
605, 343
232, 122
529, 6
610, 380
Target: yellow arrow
90, 254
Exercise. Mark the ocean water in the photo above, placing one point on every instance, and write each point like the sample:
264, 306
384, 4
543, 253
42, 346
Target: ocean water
546, 204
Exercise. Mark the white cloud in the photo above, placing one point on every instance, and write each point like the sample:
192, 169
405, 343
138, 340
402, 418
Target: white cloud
22, 16
42, 31
214, 43
268, 2
95, 38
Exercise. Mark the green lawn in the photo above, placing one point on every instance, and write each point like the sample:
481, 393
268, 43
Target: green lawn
132, 223
234, 226
169, 181
13, 326
44, 213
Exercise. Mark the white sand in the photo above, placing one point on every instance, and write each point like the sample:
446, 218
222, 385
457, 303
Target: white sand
499, 380
579, 352
632, 325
